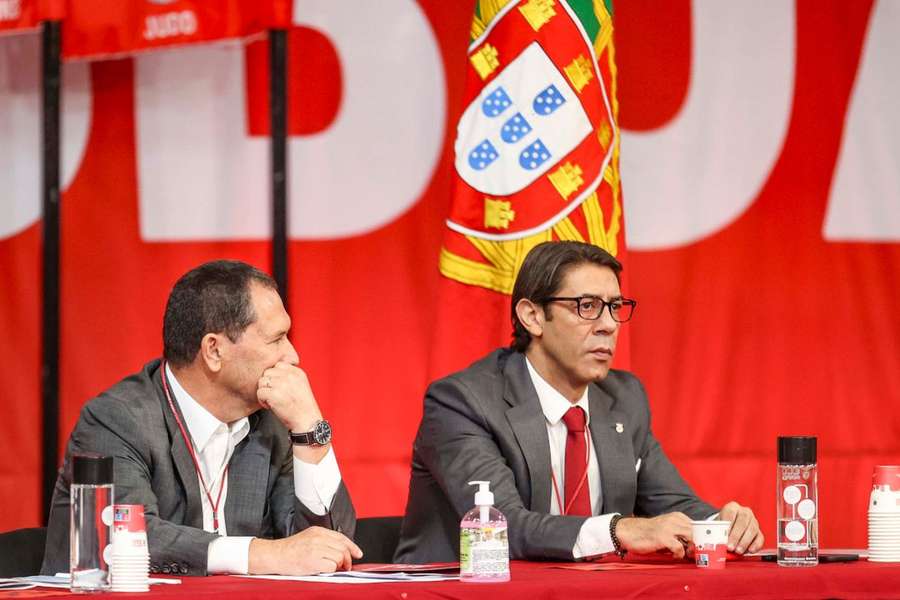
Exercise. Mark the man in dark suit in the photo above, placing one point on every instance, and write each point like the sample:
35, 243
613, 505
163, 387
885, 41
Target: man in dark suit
564, 440
222, 442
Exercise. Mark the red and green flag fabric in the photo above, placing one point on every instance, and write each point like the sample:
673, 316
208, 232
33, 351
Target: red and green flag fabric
536, 158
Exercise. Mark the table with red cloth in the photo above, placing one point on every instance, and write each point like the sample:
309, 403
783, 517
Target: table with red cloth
746, 578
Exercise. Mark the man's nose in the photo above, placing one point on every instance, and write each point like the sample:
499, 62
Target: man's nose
290, 354
606, 324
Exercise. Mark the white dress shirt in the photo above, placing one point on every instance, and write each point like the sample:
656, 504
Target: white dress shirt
593, 537
214, 442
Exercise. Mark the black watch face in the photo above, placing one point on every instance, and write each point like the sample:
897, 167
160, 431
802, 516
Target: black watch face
322, 433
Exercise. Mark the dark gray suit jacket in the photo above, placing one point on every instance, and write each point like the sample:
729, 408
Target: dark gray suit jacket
132, 422
486, 423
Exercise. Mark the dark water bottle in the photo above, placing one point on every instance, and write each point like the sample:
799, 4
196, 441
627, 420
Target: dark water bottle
91, 518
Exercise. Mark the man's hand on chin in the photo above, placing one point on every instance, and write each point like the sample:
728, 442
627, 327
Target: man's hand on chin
285, 390
745, 535
313, 550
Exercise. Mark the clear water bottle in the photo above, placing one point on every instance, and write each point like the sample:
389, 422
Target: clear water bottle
798, 502
91, 517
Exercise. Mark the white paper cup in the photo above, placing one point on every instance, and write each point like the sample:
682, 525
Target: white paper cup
710, 542
884, 502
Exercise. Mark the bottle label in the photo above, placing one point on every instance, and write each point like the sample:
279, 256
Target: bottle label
465, 551
483, 551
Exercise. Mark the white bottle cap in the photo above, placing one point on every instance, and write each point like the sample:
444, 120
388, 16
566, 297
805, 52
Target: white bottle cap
484, 496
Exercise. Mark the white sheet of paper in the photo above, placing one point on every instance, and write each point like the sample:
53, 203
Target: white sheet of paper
360, 577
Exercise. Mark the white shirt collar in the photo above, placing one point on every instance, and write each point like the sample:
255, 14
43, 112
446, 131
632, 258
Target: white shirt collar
552, 402
200, 422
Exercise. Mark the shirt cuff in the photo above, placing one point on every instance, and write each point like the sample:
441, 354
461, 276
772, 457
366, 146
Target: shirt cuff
228, 555
593, 537
316, 484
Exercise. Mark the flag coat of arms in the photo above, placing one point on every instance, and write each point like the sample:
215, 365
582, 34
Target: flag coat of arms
535, 158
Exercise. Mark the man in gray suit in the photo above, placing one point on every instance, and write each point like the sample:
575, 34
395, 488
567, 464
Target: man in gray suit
222, 442
564, 440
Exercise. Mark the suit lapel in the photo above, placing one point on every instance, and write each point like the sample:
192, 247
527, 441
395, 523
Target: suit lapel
184, 465
248, 473
615, 455
529, 426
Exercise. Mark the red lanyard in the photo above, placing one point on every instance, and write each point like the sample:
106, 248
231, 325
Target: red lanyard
587, 461
190, 446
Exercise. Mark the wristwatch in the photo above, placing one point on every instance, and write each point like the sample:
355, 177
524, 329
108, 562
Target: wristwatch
319, 436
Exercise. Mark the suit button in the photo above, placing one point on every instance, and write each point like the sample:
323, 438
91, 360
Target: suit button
166, 569
154, 569
184, 569
339, 529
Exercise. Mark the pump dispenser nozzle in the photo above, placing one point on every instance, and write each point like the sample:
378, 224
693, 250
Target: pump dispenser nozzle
484, 496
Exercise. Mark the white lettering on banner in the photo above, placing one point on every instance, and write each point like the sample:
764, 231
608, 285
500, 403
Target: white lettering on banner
865, 192
700, 172
170, 24
201, 177
20, 129
10, 10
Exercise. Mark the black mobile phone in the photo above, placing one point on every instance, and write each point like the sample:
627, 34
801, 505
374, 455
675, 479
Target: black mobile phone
837, 557
823, 558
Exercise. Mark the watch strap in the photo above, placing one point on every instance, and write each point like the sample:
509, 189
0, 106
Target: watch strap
320, 435
303, 439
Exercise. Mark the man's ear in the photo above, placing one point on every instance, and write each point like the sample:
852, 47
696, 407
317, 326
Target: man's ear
531, 316
211, 350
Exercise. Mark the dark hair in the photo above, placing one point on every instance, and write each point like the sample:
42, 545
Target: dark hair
211, 298
542, 272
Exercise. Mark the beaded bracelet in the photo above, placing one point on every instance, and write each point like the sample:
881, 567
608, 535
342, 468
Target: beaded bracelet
615, 540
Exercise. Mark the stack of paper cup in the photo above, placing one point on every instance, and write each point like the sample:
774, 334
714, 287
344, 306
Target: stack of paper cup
129, 562
884, 515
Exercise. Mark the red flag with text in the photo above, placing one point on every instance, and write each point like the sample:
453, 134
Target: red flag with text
101, 28
21, 15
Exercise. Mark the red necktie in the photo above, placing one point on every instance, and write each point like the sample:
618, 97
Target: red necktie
576, 466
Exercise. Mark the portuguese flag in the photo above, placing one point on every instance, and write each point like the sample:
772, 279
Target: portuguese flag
536, 158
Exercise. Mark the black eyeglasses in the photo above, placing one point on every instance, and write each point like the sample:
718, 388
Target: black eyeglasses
591, 307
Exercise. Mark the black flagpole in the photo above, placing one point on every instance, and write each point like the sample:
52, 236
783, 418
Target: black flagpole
278, 109
50, 161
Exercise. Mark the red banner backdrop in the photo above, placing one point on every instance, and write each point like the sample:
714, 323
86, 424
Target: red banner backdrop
763, 229
783, 320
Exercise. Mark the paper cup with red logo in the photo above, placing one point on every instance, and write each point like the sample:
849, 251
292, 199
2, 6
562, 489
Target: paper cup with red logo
884, 501
710, 541
129, 517
129, 530
886, 477
129, 556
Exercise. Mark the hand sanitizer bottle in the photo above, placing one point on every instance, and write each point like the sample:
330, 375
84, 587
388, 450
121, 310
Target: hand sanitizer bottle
483, 545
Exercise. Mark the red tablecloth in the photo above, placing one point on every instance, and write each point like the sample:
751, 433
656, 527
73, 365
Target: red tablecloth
742, 579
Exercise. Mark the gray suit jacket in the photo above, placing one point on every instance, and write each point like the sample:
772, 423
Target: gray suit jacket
486, 423
132, 422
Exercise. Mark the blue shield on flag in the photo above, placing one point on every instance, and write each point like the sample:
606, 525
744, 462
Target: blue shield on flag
520, 126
